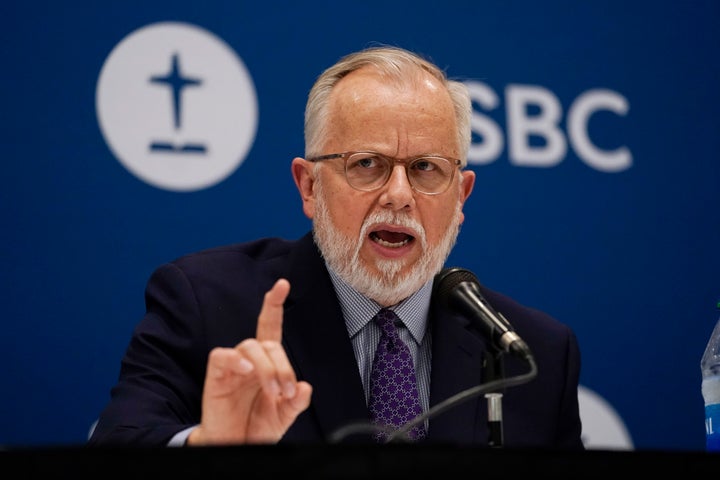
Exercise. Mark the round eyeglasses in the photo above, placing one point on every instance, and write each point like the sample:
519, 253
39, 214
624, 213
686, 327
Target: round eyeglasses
368, 171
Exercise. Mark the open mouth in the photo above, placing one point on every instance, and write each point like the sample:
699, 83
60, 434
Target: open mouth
391, 239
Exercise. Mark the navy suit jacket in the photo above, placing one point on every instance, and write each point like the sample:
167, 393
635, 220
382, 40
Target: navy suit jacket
213, 297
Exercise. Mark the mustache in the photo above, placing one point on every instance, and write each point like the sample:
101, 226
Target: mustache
394, 218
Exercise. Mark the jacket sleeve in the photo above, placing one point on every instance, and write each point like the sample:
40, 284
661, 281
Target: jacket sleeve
159, 388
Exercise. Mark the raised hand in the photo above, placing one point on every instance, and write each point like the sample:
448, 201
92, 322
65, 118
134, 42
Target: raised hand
251, 393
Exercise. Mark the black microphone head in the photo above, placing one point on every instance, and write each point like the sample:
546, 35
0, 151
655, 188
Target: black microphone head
458, 289
449, 278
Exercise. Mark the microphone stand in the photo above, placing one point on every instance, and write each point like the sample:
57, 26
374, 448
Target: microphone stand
493, 371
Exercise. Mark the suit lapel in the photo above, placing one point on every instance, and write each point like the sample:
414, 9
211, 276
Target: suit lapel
318, 345
457, 356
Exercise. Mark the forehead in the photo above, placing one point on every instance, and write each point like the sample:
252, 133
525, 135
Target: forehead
369, 85
368, 110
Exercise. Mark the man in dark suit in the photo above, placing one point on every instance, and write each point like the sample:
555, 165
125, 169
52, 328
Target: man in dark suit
272, 341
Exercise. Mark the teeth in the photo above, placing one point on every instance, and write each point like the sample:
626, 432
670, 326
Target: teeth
391, 245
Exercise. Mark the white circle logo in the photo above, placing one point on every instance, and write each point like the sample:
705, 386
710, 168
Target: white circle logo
176, 106
602, 426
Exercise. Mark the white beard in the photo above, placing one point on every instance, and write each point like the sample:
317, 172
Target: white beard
389, 286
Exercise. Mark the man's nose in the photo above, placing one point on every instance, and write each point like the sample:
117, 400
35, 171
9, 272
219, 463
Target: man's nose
398, 193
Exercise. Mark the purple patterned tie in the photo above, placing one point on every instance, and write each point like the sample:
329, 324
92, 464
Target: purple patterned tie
394, 398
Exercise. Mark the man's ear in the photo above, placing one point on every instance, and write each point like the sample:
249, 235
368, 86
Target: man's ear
467, 184
302, 172
466, 188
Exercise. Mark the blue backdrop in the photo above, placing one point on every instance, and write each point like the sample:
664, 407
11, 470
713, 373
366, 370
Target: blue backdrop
596, 149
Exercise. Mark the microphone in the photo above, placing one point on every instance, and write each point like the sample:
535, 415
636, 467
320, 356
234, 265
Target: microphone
458, 290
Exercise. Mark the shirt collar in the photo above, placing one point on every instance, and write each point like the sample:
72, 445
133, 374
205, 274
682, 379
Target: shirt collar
358, 309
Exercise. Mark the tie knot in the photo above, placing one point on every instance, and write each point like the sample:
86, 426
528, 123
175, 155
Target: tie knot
387, 320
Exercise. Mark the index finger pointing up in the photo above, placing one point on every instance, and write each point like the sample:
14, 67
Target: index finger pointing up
269, 326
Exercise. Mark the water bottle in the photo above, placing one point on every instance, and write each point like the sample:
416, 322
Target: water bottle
710, 367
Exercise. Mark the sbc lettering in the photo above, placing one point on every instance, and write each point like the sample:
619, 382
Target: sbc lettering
534, 112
